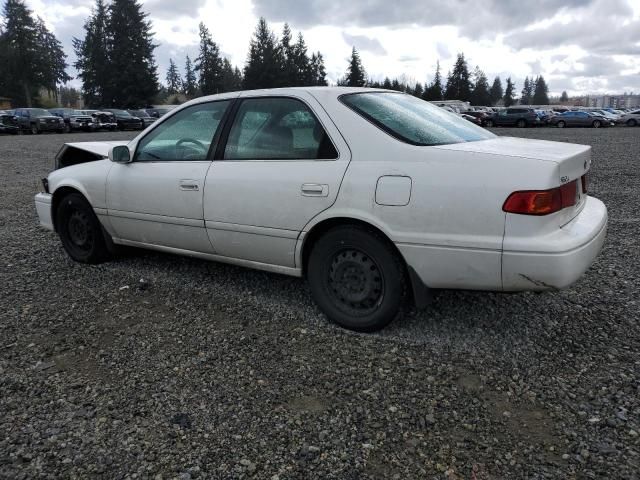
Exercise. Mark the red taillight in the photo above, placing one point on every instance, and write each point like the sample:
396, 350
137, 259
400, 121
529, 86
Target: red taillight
541, 202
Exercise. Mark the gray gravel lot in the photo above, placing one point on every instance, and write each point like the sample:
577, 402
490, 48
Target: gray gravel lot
212, 371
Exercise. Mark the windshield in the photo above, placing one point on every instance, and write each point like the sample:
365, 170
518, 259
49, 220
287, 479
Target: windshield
122, 113
413, 120
80, 112
39, 112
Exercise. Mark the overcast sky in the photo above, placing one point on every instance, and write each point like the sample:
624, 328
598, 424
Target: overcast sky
582, 46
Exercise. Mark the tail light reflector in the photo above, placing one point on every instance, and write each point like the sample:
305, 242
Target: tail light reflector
585, 181
541, 202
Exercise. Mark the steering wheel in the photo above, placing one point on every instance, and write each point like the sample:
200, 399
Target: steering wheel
198, 143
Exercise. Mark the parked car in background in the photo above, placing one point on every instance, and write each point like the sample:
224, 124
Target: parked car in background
630, 119
37, 120
472, 118
479, 115
8, 123
144, 116
514, 116
125, 120
612, 117
580, 119
101, 120
74, 119
159, 110
327, 183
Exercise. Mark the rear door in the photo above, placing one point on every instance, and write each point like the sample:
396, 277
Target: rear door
281, 163
157, 198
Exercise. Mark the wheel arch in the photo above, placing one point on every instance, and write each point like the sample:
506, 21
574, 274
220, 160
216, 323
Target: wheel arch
58, 195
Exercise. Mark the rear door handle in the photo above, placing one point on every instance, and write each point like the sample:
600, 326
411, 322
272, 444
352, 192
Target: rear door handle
189, 185
315, 190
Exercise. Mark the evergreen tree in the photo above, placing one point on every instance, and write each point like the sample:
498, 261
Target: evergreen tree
302, 63
190, 84
318, 71
355, 75
434, 91
527, 92
417, 90
386, 83
395, 85
289, 68
93, 56
509, 93
480, 94
133, 78
209, 63
496, 91
68, 96
458, 83
31, 57
564, 97
265, 61
231, 77
541, 92
174, 82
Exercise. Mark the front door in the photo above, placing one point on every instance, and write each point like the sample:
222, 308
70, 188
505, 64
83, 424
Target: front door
281, 165
157, 198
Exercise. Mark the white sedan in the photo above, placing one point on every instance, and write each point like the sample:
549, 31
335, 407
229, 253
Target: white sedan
371, 195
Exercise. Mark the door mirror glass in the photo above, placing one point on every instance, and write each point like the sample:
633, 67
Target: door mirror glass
120, 154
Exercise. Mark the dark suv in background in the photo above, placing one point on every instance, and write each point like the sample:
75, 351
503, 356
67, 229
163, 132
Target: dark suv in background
514, 116
36, 120
124, 119
74, 119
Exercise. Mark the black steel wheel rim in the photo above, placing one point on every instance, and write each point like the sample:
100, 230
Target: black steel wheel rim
79, 231
355, 282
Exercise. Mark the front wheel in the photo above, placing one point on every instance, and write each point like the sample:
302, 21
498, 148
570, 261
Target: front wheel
521, 123
357, 278
34, 129
560, 124
632, 122
80, 230
596, 124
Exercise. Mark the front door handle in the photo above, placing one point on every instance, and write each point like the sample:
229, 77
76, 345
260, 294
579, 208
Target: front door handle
189, 185
315, 190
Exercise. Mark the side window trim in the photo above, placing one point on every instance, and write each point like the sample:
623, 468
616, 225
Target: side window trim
233, 111
214, 140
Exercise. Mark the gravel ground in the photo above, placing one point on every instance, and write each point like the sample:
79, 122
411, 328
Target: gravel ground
204, 370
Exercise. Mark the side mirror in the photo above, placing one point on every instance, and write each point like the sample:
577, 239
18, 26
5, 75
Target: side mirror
120, 154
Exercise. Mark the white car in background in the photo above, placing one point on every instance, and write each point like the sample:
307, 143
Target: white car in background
368, 194
631, 119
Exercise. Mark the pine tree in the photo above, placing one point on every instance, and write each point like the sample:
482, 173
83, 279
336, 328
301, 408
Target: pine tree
480, 94
541, 92
93, 56
133, 77
434, 91
496, 91
417, 90
564, 97
190, 84
355, 75
30, 56
265, 61
289, 68
509, 93
527, 92
174, 82
318, 71
386, 84
301, 63
209, 63
458, 83
231, 77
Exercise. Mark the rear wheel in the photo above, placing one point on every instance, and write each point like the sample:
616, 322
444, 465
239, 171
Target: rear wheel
34, 129
80, 230
596, 124
521, 123
632, 122
560, 124
357, 278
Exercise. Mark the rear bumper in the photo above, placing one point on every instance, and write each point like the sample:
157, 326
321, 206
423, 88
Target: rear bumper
557, 261
43, 207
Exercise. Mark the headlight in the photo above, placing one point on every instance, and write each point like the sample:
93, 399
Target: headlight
41, 120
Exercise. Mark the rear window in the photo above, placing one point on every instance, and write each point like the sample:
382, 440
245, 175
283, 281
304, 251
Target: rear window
412, 120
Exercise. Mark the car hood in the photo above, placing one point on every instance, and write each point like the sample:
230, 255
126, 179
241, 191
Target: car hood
82, 152
521, 147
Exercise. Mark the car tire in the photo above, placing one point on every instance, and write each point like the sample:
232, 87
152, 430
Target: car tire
67, 128
357, 278
596, 124
35, 130
80, 230
489, 123
632, 123
521, 123
560, 124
